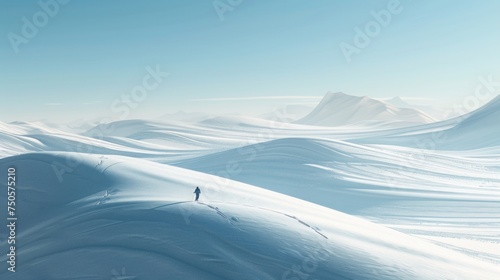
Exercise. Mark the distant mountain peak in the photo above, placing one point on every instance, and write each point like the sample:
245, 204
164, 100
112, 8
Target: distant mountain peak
336, 95
398, 98
339, 109
399, 102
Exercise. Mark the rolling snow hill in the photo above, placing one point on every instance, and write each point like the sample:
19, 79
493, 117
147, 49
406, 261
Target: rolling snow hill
113, 195
377, 182
115, 216
479, 129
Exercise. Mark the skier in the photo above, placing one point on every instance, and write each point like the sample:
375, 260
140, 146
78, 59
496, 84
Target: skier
197, 191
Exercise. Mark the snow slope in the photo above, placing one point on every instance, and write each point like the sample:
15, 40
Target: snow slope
137, 138
431, 111
339, 109
479, 129
436, 182
376, 182
475, 130
288, 113
114, 216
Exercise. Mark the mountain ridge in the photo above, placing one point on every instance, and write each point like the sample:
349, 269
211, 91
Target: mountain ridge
340, 109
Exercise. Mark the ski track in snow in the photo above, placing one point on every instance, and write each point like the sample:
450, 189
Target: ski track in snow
231, 220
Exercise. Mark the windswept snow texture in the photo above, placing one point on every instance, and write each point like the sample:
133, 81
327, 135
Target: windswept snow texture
116, 212
363, 200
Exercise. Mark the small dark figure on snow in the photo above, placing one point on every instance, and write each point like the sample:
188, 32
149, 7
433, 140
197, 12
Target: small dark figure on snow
197, 191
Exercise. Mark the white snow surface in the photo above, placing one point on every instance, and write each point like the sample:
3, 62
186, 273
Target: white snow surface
114, 211
279, 200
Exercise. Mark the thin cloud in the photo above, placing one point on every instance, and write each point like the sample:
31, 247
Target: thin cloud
409, 98
256, 98
420, 98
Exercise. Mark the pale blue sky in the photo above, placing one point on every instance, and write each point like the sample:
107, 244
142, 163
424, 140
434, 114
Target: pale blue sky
90, 53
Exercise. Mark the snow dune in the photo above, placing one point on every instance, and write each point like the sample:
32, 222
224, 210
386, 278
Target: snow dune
376, 182
160, 139
475, 130
118, 214
479, 129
